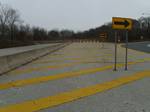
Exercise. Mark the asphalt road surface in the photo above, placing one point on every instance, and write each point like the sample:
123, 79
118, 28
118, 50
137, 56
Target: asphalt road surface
140, 46
80, 78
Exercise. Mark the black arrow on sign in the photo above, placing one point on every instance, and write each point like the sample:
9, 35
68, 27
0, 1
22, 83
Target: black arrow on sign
125, 23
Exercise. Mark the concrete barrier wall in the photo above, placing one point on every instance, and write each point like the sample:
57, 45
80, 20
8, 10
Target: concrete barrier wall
10, 62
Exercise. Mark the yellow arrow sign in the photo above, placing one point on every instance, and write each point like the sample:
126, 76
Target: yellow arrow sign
121, 23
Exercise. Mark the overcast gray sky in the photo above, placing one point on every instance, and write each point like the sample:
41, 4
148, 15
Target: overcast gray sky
76, 14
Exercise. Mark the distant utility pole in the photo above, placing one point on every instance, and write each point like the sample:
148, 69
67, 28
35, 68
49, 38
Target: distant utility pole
147, 21
145, 13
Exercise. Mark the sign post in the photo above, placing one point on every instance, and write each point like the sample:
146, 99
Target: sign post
115, 66
121, 24
126, 57
103, 37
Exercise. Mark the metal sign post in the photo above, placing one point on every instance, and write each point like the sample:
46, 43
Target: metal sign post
126, 57
119, 23
115, 65
103, 37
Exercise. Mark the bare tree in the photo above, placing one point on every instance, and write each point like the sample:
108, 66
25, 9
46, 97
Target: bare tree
8, 18
13, 19
4, 15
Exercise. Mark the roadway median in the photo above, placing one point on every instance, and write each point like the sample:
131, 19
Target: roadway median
14, 60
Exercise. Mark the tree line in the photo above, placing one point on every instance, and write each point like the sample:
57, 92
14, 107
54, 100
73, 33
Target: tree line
12, 28
140, 31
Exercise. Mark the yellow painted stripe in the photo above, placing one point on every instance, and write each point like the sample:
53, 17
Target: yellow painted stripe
54, 61
48, 61
131, 56
42, 79
30, 81
92, 61
137, 52
146, 59
143, 60
73, 59
28, 70
51, 101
